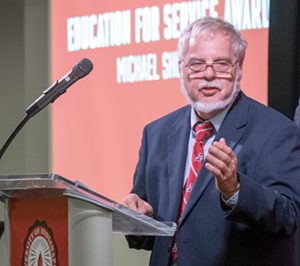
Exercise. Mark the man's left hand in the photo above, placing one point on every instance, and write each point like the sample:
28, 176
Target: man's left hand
222, 163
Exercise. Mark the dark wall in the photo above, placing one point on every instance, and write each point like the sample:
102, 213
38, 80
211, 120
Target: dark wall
284, 56
284, 61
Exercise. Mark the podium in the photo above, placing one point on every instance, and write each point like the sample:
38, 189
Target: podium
50, 220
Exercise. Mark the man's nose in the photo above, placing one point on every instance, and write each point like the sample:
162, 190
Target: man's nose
209, 73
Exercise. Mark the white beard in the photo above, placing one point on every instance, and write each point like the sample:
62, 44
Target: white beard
204, 107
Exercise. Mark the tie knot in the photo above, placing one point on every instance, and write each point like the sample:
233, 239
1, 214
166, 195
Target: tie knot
203, 130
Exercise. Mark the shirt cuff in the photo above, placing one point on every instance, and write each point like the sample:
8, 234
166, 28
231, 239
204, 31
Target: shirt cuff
232, 201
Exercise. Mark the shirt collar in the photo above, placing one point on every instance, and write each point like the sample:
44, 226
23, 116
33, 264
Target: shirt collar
216, 120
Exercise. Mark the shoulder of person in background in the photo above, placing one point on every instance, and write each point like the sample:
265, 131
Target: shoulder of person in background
297, 115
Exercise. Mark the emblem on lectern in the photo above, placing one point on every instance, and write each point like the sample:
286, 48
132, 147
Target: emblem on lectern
39, 246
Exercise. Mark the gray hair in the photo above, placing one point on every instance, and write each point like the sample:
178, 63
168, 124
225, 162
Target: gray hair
208, 26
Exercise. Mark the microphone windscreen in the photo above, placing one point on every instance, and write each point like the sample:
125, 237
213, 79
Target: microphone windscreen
82, 68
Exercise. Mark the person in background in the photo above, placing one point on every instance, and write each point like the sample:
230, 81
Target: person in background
225, 168
297, 115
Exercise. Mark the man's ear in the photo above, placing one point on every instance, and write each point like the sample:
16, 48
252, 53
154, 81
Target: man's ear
240, 72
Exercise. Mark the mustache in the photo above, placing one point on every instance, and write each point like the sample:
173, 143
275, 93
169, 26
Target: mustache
209, 84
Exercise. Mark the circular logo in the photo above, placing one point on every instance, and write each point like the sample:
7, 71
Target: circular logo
39, 246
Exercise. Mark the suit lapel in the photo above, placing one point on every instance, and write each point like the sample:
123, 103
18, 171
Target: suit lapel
232, 129
177, 151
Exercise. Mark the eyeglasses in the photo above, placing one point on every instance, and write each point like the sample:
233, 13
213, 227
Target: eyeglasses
222, 68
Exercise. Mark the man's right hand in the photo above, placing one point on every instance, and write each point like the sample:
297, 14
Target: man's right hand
135, 203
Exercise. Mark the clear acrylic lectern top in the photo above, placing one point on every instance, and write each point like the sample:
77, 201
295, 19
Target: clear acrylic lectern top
124, 221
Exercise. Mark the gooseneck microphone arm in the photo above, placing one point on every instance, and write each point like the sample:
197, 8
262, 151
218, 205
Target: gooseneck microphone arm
3, 149
13, 135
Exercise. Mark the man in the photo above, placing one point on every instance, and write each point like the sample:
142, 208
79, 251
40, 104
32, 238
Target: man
244, 204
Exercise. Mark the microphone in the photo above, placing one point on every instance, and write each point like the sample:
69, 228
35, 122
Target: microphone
80, 70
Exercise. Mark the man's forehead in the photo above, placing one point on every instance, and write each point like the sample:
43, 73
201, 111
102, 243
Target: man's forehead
213, 47
217, 43
205, 35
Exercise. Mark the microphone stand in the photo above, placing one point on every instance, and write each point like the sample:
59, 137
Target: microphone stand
13, 135
5, 146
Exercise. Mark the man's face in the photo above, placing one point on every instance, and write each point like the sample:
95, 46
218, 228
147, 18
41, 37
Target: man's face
209, 90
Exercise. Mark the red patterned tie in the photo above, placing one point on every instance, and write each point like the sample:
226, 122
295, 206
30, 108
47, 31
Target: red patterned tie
201, 132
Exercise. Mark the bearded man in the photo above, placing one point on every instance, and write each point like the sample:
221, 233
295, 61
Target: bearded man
225, 168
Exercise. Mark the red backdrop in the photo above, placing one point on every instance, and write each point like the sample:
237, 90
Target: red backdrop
97, 125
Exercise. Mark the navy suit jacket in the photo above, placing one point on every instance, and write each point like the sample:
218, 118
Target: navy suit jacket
261, 229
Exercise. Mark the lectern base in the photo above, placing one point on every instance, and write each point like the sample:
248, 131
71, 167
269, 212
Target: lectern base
90, 234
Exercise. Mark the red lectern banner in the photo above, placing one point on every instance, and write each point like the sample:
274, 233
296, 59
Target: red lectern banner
39, 229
